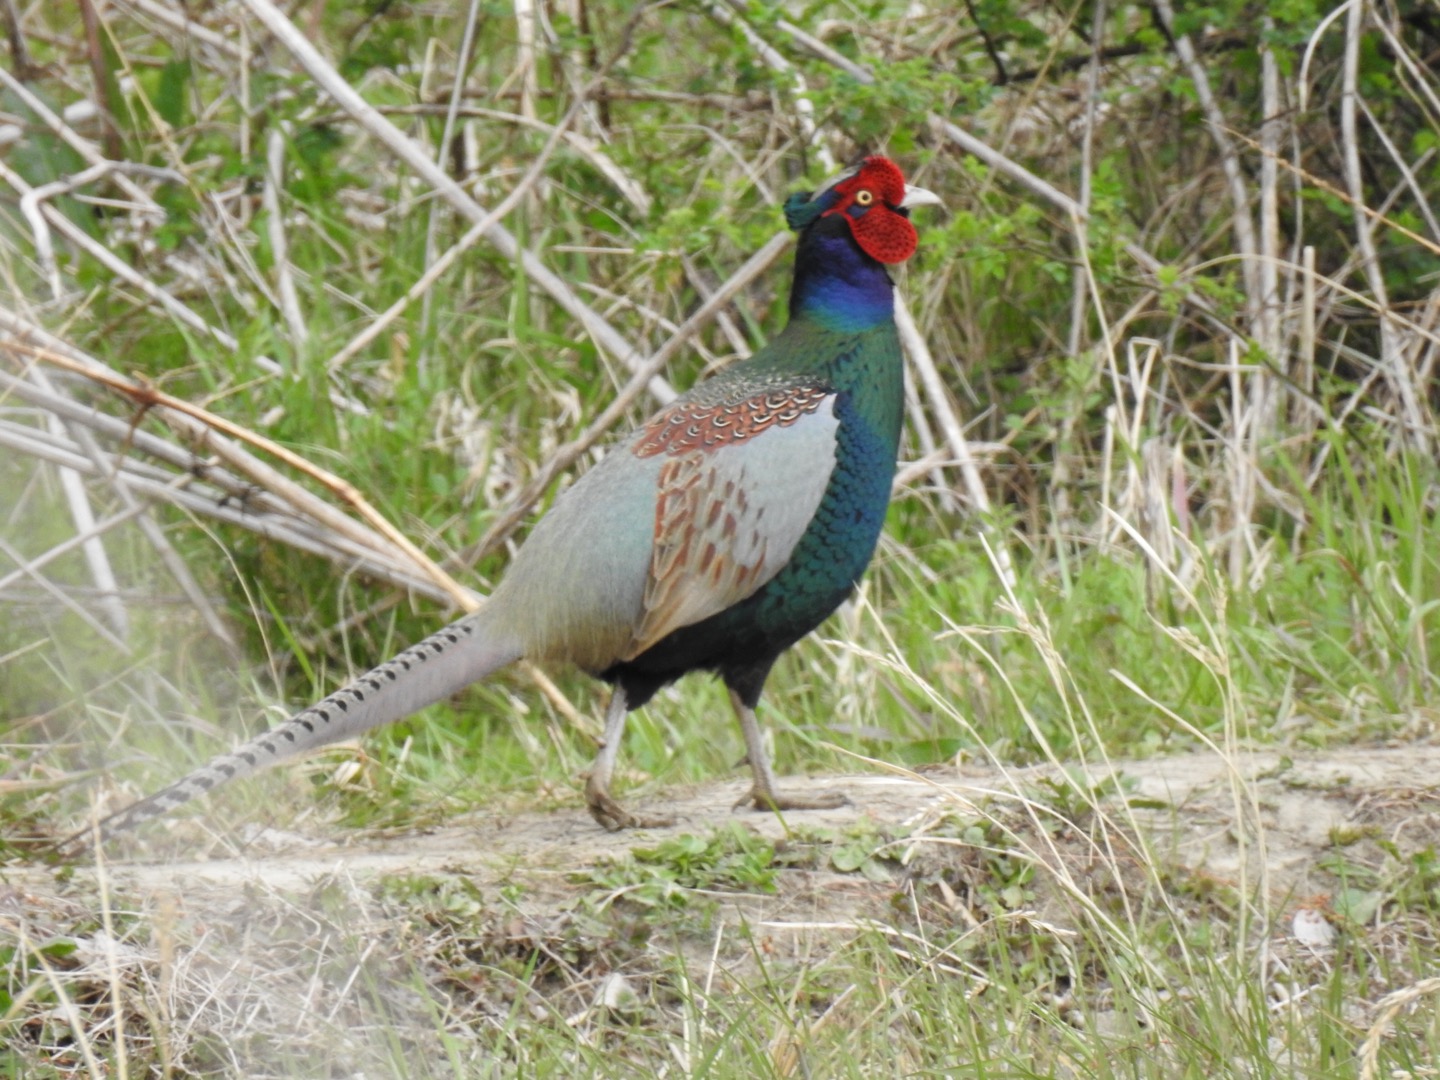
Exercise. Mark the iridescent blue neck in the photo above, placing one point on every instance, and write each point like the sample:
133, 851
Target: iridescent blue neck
837, 285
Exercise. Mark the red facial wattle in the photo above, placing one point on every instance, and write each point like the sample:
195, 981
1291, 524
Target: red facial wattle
877, 190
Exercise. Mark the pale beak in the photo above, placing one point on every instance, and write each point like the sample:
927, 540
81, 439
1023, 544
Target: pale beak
918, 196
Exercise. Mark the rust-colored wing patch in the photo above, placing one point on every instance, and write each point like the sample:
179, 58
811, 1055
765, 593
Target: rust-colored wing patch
693, 426
709, 550
726, 523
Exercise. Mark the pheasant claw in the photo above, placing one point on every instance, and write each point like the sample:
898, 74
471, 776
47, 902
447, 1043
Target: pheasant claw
772, 801
613, 817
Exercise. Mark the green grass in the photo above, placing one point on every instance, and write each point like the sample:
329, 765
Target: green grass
1032, 934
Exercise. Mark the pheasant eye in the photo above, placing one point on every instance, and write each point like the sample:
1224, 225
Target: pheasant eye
864, 197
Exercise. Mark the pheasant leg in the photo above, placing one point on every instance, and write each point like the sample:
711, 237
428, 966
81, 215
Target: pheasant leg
603, 808
763, 795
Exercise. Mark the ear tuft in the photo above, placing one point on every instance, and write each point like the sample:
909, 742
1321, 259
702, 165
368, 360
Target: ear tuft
800, 211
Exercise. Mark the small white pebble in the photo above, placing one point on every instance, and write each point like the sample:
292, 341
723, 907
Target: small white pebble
1311, 928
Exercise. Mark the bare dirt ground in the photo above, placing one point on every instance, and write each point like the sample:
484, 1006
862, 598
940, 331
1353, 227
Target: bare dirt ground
1264, 813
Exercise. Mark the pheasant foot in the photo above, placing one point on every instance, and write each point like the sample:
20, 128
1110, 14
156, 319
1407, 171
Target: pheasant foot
762, 794
603, 808
613, 817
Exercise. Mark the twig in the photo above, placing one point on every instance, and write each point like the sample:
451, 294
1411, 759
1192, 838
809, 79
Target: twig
582, 144
83, 515
43, 217
1080, 290
131, 437
925, 436
1305, 376
77, 112
1264, 399
93, 529
32, 201
525, 66
1419, 76
808, 41
447, 133
1240, 220
77, 499
1001, 78
123, 270
74, 421
1377, 215
624, 183
623, 301
1406, 171
20, 58
308, 505
738, 345
753, 101
1391, 359
924, 364
1248, 423
234, 500
102, 76
279, 245
97, 559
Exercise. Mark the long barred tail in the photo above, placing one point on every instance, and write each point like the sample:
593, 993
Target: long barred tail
442, 664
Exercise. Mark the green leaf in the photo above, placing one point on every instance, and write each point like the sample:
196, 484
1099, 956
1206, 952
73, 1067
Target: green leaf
172, 96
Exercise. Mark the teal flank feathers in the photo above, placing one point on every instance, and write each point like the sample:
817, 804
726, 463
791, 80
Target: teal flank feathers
715, 537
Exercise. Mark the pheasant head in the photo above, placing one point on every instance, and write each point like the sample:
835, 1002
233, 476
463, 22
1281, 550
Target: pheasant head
850, 230
874, 201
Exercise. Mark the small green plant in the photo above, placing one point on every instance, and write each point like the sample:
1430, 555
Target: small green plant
731, 858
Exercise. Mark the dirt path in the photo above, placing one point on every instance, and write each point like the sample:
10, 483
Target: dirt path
1195, 810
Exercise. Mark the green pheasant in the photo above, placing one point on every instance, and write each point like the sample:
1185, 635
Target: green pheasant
716, 536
